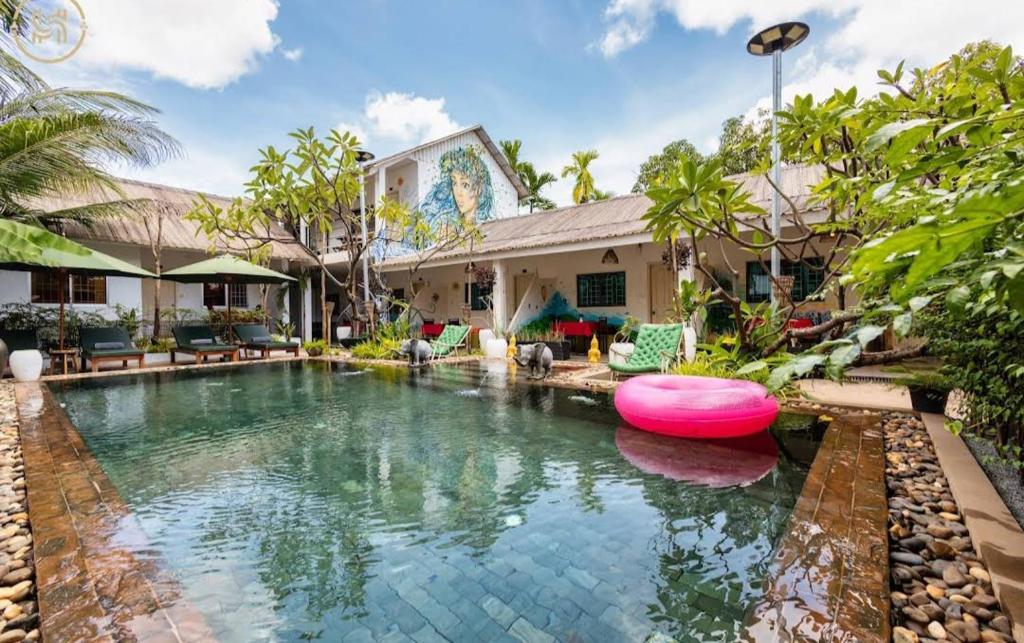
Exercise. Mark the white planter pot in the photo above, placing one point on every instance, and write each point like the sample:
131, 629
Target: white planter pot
343, 332
26, 366
486, 335
619, 352
495, 348
296, 340
689, 343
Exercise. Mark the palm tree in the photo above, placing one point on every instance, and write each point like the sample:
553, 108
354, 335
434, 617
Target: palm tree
534, 184
56, 141
511, 150
584, 189
601, 195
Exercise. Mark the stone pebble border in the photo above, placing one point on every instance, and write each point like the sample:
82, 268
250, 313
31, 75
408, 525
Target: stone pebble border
19, 611
941, 590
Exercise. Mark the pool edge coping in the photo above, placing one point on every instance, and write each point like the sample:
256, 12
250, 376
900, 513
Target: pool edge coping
78, 568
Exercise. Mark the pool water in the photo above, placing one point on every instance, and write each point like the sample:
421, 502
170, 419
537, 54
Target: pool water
311, 501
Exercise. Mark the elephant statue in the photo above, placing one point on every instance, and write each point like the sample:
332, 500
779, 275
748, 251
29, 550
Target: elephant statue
417, 350
538, 357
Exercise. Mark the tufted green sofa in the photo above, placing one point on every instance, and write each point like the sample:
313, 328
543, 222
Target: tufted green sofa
656, 344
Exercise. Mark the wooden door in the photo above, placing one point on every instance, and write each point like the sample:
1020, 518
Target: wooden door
522, 284
661, 288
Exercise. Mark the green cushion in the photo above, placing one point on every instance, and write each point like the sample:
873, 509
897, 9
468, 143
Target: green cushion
89, 337
271, 345
654, 343
451, 337
207, 348
249, 332
183, 335
115, 352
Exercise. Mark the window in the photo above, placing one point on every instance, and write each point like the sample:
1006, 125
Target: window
806, 279
213, 295
77, 290
601, 289
239, 295
480, 297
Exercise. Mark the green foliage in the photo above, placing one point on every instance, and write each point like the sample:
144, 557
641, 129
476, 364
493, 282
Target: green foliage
583, 190
58, 141
318, 346
982, 349
741, 146
127, 318
45, 320
154, 344
726, 358
386, 343
285, 330
690, 304
930, 380
628, 330
657, 166
534, 181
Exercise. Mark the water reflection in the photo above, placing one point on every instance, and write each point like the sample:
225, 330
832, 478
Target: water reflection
735, 462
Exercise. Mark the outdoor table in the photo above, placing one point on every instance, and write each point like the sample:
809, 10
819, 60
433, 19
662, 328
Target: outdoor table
432, 330
67, 358
576, 330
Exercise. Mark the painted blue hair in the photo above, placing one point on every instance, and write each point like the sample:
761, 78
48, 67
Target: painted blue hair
439, 206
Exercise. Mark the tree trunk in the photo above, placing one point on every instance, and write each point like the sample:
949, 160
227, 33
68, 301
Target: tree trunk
325, 321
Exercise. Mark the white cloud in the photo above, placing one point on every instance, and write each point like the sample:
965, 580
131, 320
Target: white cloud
355, 129
198, 43
199, 168
294, 55
407, 118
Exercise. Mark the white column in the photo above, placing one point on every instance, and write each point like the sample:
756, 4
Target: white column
286, 314
380, 191
499, 294
307, 312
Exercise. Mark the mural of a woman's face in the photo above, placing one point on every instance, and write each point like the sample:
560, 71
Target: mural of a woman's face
465, 192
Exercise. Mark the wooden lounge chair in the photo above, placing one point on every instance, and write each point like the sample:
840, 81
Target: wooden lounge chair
108, 344
257, 337
657, 346
200, 342
452, 338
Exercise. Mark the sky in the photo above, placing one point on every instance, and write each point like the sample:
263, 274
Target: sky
624, 77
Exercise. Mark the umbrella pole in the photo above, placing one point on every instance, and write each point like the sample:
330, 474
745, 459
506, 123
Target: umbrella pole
60, 297
227, 293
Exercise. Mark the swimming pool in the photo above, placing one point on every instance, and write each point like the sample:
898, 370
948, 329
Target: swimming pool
298, 501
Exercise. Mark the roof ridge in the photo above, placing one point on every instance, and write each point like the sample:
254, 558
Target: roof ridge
564, 208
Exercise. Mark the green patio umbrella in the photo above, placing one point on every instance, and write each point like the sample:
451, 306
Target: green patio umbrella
226, 269
29, 248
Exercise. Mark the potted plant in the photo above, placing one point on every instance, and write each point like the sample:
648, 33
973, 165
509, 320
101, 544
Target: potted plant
286, 330
929, 391
315, 348
620, 349
559, 345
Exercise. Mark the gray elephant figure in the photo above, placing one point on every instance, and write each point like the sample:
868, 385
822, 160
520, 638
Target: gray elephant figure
538, 358
417, 350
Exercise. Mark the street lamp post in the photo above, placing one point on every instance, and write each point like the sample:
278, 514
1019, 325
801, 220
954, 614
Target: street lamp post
772, 42
363, 157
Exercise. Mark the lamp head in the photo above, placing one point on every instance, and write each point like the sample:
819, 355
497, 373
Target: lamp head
780, 37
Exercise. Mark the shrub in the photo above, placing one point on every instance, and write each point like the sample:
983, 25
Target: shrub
380, 348
982, 350
315, 347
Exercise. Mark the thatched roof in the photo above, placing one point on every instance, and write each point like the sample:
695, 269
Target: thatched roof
178, 233
609, 219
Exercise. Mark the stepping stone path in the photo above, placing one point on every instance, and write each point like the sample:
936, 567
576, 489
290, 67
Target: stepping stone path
940, 588
19, 613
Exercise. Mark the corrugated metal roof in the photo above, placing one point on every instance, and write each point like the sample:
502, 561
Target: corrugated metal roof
619, 216
178, 233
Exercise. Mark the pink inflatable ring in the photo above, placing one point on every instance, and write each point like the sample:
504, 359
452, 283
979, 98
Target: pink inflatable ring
695, 407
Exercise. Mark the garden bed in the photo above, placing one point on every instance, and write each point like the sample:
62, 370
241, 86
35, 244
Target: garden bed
1004, 478
941, 590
